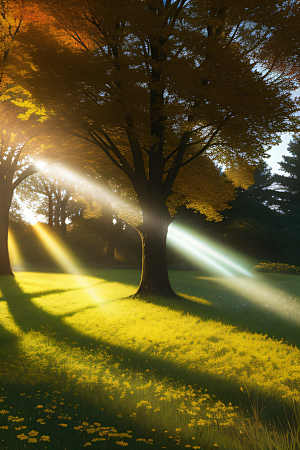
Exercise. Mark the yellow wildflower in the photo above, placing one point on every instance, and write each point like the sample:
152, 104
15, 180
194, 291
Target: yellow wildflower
45, 438
33, 433
22, 436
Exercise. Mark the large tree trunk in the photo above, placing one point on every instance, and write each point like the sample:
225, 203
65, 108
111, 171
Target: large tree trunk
155, 278
5, 201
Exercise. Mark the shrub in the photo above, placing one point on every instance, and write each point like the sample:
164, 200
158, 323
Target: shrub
277, 267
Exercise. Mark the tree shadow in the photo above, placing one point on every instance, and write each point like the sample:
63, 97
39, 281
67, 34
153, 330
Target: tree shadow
236, 310
129, 277
30, 317
239, 311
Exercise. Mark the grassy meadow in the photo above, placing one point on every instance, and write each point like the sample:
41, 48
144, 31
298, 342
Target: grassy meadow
82, 364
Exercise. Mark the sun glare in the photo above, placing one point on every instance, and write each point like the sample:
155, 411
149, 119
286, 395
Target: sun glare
41, 165
28, 215
58, 250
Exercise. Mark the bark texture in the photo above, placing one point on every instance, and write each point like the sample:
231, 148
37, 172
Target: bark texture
5, 201
155, 279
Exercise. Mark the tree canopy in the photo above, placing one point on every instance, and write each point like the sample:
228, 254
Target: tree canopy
288, 182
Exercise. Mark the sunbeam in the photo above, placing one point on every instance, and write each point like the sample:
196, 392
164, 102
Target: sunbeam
59, 251
259, 292
94, 190
15, 256
233, 275
204, 253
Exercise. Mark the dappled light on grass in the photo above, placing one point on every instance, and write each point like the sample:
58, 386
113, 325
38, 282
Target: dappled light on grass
175, 336
260, 292
146, 362
7, 319
185, 340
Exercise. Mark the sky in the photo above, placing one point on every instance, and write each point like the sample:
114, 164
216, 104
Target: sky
277, 152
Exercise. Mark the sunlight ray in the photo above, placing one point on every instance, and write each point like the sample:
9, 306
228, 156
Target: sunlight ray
15, 256
58, 250
203, 251
188, 249
258, 291
255, 288
95, 191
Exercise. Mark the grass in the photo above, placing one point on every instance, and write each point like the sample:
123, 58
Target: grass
85, 365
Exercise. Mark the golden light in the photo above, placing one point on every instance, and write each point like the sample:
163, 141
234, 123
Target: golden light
94, 190
15, 256
58, 250
41, 165
7, 320
51, 241
234, 272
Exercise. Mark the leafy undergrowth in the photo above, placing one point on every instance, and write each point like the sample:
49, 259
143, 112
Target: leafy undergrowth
84, 365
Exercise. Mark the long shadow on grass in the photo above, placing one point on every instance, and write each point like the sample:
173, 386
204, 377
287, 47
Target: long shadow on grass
239, 311
234, 309
29, 317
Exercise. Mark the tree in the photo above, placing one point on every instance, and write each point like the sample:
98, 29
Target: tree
16, 105
287, 185
9, 26
166, 88
286, 199
53, 197
14, 168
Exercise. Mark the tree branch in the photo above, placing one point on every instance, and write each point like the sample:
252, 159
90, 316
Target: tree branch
208, 144
31, 170
172, 173
177, 7
233, 35
136, 150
